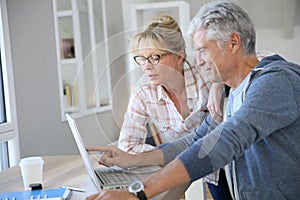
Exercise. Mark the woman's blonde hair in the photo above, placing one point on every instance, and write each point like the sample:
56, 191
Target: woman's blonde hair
163, 32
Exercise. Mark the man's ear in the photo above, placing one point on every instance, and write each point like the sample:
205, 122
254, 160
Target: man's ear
235, 42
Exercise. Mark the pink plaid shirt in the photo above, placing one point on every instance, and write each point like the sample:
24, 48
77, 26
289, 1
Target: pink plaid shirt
151, 104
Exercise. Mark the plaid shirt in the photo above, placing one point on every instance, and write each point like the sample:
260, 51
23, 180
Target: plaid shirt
151, 104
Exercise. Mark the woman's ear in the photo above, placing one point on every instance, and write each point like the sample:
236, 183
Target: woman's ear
181, 57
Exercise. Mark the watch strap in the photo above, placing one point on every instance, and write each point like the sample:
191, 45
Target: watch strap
141, 195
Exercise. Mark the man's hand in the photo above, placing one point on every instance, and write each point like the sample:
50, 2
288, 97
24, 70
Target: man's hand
172, 175
112, 155
214, 102
112, 195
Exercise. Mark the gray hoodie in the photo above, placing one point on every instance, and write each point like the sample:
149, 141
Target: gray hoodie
263, 136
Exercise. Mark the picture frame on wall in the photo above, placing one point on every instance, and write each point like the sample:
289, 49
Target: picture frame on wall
67, 48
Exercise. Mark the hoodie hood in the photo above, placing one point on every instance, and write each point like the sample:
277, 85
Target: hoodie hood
274, 62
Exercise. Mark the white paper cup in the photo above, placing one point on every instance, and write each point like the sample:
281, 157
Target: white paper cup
32, 170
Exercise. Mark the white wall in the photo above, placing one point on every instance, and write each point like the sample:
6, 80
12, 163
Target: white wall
269, 18
41, 130
274, 40
272, 19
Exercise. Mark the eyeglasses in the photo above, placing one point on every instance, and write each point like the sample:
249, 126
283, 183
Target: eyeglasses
152, 59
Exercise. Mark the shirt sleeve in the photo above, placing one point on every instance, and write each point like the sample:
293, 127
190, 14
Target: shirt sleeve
269, 106
133, 132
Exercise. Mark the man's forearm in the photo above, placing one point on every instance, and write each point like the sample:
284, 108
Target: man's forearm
172, 175
152, 157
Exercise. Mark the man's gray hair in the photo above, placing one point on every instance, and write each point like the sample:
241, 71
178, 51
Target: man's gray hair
221, 19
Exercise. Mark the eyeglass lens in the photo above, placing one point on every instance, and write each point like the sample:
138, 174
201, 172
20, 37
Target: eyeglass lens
152, 59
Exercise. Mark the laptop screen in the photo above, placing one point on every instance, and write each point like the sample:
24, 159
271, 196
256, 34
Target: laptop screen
82, 150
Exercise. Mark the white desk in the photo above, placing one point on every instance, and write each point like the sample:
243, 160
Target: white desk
66, 170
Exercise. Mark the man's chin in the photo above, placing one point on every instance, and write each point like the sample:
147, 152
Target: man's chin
213, 79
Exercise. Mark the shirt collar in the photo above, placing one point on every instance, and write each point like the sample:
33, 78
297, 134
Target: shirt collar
161, 93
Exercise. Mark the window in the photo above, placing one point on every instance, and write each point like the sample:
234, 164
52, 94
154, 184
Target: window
2, 102
3, 156
9, 142
3, 145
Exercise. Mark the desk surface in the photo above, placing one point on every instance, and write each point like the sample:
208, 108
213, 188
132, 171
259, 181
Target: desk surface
58, 170
64, 170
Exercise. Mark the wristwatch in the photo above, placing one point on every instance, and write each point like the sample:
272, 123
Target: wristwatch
137, 188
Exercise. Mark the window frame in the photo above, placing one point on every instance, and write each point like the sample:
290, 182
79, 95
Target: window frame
8, 129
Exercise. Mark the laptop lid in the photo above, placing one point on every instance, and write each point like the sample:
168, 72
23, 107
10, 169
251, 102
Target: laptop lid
82, 150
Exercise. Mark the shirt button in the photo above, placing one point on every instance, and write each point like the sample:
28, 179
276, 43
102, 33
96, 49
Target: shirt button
188, 125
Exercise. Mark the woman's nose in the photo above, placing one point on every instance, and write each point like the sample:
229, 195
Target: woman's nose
200, 61
147, 65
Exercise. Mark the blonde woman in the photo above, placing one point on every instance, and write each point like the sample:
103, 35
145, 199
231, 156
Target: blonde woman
172, 95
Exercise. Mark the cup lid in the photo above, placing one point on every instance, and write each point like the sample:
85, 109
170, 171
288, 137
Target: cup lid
31, 161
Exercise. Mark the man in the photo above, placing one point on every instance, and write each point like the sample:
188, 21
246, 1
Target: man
260, 138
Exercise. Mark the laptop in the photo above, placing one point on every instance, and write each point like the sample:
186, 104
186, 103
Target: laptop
103, 177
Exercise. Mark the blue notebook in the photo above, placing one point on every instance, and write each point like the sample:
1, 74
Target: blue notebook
57, 193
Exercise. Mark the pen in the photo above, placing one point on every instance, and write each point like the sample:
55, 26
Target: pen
73, 188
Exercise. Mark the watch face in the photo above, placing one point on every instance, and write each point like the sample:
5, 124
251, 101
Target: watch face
136, 186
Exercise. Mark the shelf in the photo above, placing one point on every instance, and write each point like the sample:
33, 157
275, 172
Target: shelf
71, 109
91, 111
79, 27
70, 61
65, 13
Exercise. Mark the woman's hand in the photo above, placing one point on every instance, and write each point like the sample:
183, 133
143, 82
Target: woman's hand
112, 195
214, 102
112, 155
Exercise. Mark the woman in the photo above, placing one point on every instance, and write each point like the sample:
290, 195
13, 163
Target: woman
171, 96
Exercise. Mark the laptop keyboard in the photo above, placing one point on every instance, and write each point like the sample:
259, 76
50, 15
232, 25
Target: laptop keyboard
115, 176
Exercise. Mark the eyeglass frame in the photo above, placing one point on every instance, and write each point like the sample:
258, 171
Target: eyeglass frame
151, 55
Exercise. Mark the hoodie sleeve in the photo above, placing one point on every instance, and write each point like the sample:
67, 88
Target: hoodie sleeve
269, 107
173, 149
